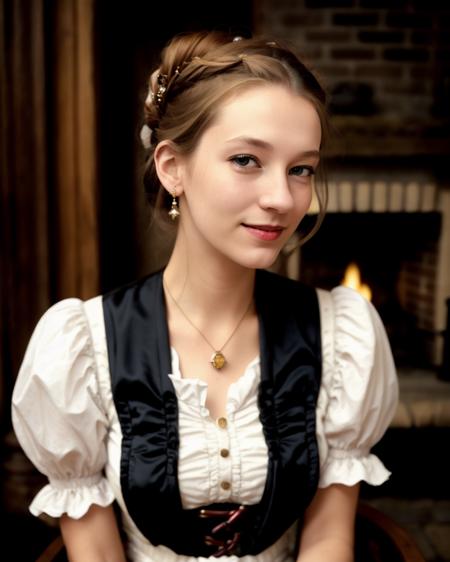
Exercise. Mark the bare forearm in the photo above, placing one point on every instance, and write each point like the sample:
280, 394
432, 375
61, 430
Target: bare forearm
82, 551
328, 529
337, 551
86, 553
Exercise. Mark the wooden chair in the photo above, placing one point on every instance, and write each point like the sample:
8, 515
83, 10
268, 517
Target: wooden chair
54, 552
378, 539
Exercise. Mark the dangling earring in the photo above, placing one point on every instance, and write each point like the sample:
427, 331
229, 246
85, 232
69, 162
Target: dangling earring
174, 213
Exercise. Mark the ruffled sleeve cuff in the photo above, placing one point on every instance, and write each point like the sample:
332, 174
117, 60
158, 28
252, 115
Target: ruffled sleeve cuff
72, 497
351, 467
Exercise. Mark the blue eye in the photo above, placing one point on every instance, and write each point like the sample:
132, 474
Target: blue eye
243, 160
302, 171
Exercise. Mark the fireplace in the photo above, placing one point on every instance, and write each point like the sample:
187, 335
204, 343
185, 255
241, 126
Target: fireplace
392, 221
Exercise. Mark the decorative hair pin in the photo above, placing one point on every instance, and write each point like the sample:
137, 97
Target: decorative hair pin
162, 85
161, 80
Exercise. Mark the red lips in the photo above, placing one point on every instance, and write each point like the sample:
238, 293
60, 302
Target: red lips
266, 232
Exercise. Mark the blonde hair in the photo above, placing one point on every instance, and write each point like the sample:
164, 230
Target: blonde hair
198, 72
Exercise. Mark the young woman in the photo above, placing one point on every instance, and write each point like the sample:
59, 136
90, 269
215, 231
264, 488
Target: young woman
229, 411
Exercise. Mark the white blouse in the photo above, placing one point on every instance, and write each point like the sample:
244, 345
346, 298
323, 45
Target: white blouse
65, 419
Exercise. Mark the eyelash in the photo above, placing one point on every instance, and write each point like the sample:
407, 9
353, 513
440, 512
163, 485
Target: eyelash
235, 159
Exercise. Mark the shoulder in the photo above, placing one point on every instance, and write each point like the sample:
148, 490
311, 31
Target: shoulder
358, 365
283, 291
344, 300
266, 279
286, 302
59, 346
359, 371
63, 320
348, 321
135, 288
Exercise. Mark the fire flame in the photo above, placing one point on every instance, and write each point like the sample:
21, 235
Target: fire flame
352, 279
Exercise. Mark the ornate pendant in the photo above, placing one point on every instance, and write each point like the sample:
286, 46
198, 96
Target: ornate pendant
218, 360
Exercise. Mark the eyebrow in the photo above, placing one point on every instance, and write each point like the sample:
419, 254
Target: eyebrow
267, 146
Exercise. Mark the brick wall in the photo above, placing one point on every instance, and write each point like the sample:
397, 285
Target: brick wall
376, 57
417, 284
416, 290
386, 66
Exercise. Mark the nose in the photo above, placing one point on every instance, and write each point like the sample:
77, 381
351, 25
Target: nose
276, 195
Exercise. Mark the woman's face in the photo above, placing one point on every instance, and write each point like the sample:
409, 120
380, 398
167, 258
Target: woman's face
248, 183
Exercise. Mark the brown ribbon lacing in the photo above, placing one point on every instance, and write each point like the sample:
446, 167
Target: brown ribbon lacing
225, 545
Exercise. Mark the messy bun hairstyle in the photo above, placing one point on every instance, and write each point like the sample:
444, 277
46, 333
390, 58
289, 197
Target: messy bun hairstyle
199, 71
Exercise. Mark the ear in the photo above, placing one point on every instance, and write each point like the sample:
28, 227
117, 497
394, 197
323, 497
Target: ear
168, 164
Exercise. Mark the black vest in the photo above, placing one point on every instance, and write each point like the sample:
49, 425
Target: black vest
145, 399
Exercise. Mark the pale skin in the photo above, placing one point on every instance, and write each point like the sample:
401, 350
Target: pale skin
232, 184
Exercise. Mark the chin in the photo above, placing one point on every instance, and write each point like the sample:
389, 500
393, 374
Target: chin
260, 260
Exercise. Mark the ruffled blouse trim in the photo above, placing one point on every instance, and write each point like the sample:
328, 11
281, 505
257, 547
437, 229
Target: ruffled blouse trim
194, 391
190, 391
73, 497
349, 469
201, 440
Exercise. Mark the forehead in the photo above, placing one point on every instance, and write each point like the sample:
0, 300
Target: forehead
271, 113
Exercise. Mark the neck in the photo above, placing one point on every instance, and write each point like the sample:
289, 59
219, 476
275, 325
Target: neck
207, 287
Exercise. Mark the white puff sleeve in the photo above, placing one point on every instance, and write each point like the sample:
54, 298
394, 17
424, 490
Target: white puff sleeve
57, 413
359, 390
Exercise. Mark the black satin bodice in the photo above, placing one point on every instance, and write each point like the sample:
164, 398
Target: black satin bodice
139, 359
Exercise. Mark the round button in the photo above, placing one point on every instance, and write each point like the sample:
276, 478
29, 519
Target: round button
224, 453
222, 423
225, 485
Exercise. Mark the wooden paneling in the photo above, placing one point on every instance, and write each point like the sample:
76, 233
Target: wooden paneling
24, 278
75, 149
48, 168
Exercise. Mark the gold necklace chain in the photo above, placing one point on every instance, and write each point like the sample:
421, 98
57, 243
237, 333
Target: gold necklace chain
217, 360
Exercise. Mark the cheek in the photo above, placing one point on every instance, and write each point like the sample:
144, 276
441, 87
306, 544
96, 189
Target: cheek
213, 200
226, 193
303, 199
204, 183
